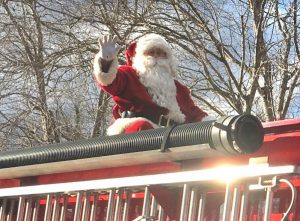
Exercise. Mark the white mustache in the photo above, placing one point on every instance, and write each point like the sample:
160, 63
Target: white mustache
151, 62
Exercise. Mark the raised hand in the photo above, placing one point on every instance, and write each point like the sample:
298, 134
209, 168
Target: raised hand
108, 47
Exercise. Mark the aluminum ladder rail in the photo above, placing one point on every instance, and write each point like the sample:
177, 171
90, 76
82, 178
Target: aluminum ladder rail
23, 203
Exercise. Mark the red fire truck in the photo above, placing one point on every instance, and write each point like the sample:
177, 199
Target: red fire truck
235, 168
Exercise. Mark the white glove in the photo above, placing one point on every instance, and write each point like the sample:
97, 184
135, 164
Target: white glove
108, 47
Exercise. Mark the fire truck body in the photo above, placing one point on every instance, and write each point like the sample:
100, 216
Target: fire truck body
155, 185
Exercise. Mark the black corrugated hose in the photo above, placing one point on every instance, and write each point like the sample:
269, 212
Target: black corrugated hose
230, 135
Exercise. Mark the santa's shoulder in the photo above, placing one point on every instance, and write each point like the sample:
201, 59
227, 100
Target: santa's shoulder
181, 86
127, 73
126, 69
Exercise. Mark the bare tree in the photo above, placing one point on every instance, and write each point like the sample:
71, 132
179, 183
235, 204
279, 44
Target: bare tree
45, 68
30, 45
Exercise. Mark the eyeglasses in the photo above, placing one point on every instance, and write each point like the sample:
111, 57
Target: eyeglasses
155, 52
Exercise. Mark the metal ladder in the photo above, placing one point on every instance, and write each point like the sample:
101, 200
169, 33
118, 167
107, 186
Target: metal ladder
80, 201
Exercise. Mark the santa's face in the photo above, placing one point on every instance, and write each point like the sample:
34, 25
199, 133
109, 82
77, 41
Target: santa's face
153, 60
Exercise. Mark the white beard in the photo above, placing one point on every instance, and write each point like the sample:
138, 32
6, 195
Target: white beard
157, 76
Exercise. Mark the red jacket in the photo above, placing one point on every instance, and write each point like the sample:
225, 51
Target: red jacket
129, 94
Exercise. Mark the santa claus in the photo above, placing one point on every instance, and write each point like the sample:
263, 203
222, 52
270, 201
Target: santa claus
145, 93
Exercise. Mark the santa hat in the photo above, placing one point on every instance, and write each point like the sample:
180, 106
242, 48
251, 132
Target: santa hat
130, 52
147, 42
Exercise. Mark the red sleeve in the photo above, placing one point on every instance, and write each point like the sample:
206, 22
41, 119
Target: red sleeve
195, 114
119, 83
192, 112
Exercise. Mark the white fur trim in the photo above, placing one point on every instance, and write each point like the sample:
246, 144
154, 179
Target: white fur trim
152, 40
121, 124
102, 77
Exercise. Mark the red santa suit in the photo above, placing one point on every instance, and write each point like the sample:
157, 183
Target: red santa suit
131, 92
